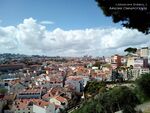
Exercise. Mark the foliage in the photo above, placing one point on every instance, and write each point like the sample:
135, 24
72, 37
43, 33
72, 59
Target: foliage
107, 65
3, 91
97, 64
93, 88
140, 95
116, 76
118, 98
130, 50
134, 14
143, 84
125, 98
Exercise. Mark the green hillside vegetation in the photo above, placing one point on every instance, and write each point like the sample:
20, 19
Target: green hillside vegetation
118, 98
123, 98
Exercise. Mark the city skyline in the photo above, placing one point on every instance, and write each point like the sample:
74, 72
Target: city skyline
64, 28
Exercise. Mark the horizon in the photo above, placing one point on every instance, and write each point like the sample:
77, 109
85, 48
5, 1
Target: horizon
63, 28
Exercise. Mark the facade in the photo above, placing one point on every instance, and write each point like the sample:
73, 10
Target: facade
130, 61
136, 72
30, 93
144, 52
46, 109
123, 60
59, 100
28, 109
17, 87
76, 81
116, 60
138, 62
135, 61
32, 106
149, 60
11, 67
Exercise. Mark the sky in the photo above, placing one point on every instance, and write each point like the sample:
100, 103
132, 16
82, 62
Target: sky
64, 28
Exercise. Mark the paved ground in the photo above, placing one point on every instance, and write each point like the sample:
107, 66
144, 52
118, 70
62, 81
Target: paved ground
144, 107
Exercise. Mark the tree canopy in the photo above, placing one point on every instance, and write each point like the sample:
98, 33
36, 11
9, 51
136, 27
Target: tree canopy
93, 88
144, 84
130, 50
134, 14
118, 98
3, 91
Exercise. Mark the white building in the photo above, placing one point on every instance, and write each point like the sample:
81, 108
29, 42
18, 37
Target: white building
144, 52
136, 72
33, 106
136, 62
44, 109
76, 81
60, 101
30, 93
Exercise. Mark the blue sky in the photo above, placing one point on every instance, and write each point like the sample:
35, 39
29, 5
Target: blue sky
62, 27
66, 14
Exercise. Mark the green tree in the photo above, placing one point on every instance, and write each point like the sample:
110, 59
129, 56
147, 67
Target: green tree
93, 88
130, 50
97, 64
124, 98
143, 84
118, 98
3, 91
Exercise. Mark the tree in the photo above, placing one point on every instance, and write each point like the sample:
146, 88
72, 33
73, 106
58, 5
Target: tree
93, 88
118, 98
97, 64
134, 14
3, 91
130, 50
143, 84
124, 98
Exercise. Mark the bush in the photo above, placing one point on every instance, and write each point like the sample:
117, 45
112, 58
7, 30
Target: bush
143, 83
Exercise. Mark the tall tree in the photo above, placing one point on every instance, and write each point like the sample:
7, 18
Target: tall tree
130, 50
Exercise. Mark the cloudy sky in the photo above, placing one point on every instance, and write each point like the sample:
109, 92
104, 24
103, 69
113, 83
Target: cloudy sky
62, 27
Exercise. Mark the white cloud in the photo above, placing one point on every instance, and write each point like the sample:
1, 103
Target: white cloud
30, 37
46, 22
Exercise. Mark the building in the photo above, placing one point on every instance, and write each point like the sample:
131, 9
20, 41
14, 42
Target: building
49, 81
44, 107
136, 72
22, 106
116, 60
17, 87
144, 52
123, 60
59, 100
32, 106
136, 62
30, 93
77, 82
138, 52
7, 67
